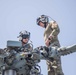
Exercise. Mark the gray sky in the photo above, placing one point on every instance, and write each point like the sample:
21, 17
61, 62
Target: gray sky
17, 15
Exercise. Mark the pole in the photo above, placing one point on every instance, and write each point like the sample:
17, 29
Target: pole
9, 72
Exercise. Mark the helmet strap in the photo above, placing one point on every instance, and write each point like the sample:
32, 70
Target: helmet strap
45, 24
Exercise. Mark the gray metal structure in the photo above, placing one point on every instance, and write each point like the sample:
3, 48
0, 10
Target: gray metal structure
10, 72
16, 60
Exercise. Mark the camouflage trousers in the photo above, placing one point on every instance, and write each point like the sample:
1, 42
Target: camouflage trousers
54, 67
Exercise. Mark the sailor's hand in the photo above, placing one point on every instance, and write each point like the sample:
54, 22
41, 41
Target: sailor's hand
24, 54
47, 42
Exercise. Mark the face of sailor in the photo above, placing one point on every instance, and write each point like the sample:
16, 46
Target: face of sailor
41, 24
25, 40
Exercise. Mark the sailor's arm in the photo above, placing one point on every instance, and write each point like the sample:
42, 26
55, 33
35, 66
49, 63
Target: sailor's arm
55, 29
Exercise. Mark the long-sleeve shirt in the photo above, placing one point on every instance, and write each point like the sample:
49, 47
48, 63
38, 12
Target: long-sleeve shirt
53, 30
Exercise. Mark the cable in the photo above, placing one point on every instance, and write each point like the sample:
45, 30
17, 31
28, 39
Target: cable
50, 18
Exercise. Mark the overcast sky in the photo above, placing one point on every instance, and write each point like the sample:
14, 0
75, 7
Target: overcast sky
17, 15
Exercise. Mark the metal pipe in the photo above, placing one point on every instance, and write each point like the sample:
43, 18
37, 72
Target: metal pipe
9, 72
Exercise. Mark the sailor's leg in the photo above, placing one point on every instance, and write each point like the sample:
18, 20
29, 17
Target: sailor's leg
54, 67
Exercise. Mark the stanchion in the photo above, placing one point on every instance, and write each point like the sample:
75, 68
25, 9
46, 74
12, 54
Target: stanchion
10, 72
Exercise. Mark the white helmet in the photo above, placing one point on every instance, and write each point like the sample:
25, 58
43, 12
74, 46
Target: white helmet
24, 34
43, 18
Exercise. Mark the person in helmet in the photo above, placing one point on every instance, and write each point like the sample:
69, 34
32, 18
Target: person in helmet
24, 37
51, 30
51, 40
